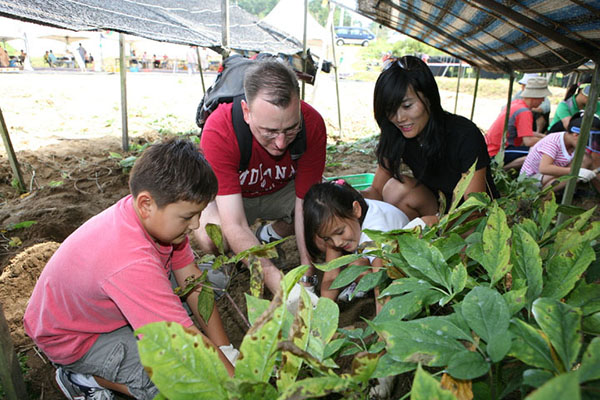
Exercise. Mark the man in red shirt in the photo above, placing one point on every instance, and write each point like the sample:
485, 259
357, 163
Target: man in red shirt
273, 185
520, 135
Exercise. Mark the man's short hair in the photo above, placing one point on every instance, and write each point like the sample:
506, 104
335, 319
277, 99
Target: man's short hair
172, 171
273, 79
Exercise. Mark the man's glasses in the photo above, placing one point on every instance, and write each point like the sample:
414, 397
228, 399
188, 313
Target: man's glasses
274, 134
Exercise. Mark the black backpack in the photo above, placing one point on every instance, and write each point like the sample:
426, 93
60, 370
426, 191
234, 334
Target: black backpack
229, 88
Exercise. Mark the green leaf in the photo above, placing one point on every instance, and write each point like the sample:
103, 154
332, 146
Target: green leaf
323, 326
387, 366
585, 296
364, 366
467, 365
458, 278
426, 387
258, 347
496, 245
563, 272
450, 245
404, 285
333, 346
486, 312
206, 303
530, 347
562, 324
310, 388
55, 183
564, 386
590, 362
536, 377
526, 261
348, 275
426, 259
530, 227
515, 300
255, 307
339, 262
461, 187
498, 346
591, 323
238, 389
21, 225
369, 281
423, 340
216, 235
112, 154
548, 214
181, 365
410, 303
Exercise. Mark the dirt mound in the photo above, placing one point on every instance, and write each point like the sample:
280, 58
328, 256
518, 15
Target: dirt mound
16, 284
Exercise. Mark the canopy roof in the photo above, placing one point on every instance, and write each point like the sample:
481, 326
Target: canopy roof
499, 35
175, 21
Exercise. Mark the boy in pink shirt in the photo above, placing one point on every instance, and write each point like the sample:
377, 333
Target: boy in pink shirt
551, 157
111, 276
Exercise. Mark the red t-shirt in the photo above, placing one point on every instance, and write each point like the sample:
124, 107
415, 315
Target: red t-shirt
265, 174
520, 125
107, 274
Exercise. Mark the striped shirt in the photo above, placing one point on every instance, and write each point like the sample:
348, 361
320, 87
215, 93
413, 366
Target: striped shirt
552, 145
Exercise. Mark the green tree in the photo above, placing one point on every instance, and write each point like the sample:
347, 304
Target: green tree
260, 8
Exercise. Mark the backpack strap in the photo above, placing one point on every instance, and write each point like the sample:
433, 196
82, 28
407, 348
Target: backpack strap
244, 135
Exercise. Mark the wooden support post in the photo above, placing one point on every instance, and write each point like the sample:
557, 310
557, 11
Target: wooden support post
458, 85
500, 156
123, 73
335, 68
475, 92
304, 48
200, 69
10, 152
10, 370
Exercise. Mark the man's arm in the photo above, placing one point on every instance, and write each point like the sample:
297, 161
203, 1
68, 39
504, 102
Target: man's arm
530, 140
240, 237
299, 231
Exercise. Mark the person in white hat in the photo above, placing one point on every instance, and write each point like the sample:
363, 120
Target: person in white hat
541, 114
520, 135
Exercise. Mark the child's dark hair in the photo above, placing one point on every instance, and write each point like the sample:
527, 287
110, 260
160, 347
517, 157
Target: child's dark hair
324, 201
173, 171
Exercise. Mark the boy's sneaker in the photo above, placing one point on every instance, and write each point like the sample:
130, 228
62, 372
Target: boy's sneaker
73, 391
350, 293
266, 234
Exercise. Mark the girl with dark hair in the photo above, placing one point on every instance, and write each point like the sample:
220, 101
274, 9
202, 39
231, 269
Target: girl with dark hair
334, 216
576, 99
437, 146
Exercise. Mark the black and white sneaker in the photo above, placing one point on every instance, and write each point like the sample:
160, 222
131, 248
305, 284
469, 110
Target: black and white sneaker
350, 293
74, 391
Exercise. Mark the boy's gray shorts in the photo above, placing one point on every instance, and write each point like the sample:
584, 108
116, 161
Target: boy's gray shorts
115, 358
273, 206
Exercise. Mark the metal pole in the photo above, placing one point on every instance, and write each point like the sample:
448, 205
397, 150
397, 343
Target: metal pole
304, 46
475, 91
12, 157
586, 125
200, 69
458, 85
337, 82
123, 72
500, 156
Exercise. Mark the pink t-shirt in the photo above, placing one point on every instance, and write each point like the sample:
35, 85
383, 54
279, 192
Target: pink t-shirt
265, 174
520, 125
107, 274
552, 145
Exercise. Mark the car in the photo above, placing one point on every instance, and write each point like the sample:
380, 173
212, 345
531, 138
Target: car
353, 35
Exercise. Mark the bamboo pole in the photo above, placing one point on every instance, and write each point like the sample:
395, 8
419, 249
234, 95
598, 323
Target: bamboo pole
123, 74
335, 68
10, 370
12, 157
500, 156
200, 69
458, 85
475, 92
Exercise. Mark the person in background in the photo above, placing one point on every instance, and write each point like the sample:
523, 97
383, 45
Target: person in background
111, 276
541, 114
551, 157
191, 59
436, 145
4, 59
520, 135
52, 58
576, 99
273, 185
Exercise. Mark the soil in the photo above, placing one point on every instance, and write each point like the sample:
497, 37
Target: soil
91, 182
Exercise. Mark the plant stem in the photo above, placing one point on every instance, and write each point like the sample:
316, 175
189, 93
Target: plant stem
492, 386
237, 309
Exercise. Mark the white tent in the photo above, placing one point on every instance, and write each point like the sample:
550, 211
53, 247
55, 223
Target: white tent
288, 16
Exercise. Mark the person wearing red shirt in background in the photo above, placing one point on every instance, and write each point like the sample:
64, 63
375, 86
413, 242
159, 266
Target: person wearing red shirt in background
520, 135
273, 185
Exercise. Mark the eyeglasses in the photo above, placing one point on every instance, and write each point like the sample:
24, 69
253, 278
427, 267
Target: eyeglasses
289, 133
400, 61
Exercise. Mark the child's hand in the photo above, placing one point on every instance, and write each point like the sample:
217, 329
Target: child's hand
586, 175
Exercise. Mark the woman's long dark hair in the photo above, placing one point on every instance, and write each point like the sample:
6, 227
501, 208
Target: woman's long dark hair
324, 201
390, 91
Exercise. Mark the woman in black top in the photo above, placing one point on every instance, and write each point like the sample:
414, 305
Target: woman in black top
437, 146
